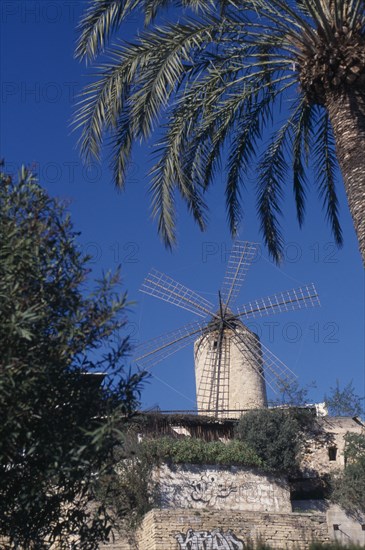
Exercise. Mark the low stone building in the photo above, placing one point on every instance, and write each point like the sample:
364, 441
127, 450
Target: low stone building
324, 452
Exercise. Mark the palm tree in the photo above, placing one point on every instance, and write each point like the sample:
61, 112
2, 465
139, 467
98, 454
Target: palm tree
211, 82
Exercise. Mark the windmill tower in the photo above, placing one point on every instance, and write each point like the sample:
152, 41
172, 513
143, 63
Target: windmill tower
231, 379
232, 366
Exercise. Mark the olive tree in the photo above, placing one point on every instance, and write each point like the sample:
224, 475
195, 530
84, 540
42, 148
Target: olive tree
60, 421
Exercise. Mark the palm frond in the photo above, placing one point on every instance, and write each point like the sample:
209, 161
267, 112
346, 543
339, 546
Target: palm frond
162, 192
167, 66
300, 147
170, 174
355, 13
321, 15
173, 169
170, 62
281, 10
163, 208
103, 101
272, 176
243, 151
121, 145
153, 8
325, 169
101, 19
184, 152
96, 110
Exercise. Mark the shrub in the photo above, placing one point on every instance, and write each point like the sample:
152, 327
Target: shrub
275, 436
349, 486
197, 451
128, 491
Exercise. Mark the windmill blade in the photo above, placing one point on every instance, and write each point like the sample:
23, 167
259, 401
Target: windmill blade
239, 262
213, 383
275, 373
154, 351
289, 300
164, 287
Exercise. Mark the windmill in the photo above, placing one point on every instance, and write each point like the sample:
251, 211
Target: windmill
232, 366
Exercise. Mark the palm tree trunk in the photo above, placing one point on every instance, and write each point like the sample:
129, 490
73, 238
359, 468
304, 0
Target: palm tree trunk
347, 115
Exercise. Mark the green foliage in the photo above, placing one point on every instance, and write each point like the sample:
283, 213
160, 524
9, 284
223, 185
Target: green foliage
344, 402
197, 451
275, 435
59, 425
128, 491
349, 486
354, 447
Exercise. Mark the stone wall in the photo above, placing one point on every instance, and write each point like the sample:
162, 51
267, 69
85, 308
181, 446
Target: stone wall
182, 529
223, 488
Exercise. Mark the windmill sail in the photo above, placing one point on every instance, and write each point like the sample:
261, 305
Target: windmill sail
164, 287
239, 262
289, 300
154, 351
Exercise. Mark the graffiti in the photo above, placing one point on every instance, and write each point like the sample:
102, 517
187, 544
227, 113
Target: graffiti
253, 492
192, 486
207, 490
209, 540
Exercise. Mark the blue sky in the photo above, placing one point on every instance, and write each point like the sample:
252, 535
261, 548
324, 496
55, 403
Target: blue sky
39, 83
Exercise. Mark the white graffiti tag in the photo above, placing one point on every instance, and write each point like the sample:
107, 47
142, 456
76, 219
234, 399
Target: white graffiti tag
209, 540
208, 489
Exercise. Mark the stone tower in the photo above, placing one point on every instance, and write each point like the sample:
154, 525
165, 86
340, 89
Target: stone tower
233, 382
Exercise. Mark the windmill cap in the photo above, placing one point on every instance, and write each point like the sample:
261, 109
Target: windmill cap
229, 317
